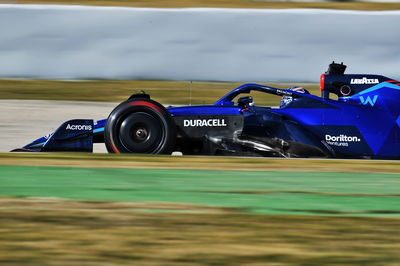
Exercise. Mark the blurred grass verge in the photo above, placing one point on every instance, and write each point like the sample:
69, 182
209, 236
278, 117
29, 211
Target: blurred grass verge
132, 161
56, 232
223, 4
197, 217
265, 192
166, 92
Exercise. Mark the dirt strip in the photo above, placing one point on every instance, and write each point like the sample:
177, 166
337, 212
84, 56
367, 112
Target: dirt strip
222, 4
58, 232
198, 162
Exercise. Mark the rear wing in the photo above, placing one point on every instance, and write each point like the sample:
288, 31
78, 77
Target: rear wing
344, 85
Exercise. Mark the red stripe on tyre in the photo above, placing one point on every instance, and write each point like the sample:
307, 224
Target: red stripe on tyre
115, 150
148, 104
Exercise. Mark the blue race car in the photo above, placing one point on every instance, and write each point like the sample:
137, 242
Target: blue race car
363, 121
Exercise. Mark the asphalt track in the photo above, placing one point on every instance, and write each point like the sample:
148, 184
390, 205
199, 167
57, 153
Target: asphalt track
66, 207
22, 121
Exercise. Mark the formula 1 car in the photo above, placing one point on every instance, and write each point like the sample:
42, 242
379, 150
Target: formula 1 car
363, 121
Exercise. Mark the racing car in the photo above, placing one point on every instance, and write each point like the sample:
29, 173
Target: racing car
361, 121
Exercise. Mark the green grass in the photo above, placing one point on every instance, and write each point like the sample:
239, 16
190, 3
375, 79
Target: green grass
264, 192
222, 4
167, 92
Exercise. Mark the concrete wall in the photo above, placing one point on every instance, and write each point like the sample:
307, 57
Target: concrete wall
78, 42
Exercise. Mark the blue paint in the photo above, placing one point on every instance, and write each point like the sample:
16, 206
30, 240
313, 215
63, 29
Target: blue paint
364, 124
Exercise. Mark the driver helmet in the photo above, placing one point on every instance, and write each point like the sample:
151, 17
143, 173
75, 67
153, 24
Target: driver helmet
288, 99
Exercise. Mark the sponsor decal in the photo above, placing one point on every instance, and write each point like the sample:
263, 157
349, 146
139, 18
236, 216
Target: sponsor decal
79, 127
204, 123
368, 100
341, 140
282, 92
364, 80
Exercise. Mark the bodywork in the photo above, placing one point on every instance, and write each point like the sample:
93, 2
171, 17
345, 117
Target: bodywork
363, 122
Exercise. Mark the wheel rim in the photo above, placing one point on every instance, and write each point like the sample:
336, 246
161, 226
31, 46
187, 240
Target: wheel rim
141, 132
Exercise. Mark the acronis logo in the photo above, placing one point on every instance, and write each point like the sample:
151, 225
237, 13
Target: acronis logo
369, 100
79, 127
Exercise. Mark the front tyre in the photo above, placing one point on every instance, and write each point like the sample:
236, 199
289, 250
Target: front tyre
140, 126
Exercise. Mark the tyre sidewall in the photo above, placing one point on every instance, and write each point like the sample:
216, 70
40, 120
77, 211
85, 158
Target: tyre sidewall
122, 111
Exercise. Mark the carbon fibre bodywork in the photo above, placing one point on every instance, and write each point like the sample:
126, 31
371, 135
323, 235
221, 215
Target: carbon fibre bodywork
364, 122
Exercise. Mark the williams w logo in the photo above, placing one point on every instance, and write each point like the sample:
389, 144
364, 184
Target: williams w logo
368, 100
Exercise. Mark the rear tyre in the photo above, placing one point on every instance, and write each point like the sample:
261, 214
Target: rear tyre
140, 126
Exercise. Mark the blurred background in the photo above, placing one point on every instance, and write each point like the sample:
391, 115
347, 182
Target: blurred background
61, 60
